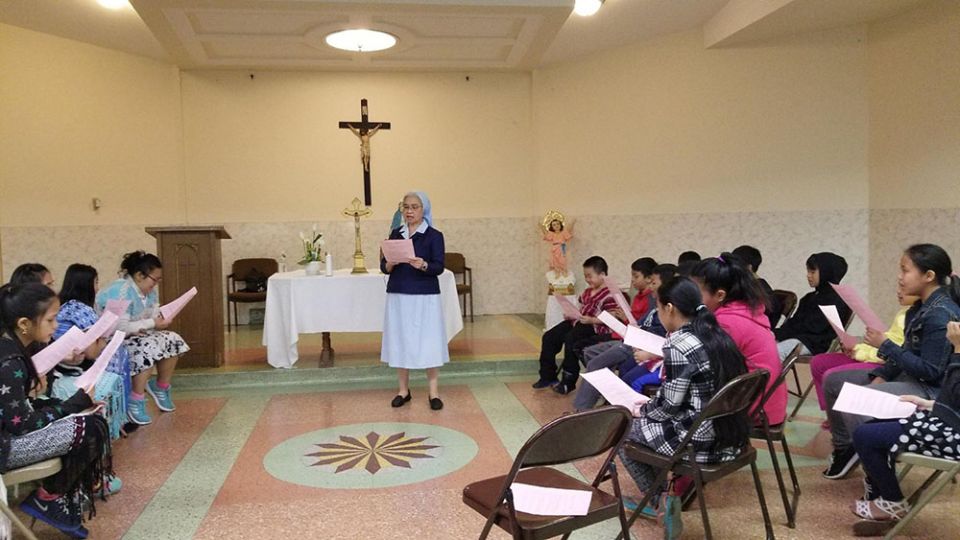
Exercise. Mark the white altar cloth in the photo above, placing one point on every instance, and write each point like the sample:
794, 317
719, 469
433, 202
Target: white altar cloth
301, 304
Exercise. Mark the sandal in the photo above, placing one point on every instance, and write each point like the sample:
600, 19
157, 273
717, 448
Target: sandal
881, 509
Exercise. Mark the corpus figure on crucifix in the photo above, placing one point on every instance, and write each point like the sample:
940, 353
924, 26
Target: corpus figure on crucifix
364, 129
365, 144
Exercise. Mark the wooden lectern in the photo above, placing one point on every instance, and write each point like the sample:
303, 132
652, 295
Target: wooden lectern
191, 258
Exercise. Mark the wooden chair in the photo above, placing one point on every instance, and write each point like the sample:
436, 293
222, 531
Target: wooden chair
456, 263
763, 430
29, 473
735, 397
805, 359
787, 300
240, 271
570, 438
944, 470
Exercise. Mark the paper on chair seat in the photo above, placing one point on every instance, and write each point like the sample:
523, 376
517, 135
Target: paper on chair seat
545, 501
397, 251
866, 401
639, 338
833, 317
570, 311
169, 311
615, 390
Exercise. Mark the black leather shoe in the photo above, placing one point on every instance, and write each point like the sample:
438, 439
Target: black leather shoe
436, 404
400, 401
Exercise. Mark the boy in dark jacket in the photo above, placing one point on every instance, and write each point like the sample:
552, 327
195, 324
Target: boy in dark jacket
808, 326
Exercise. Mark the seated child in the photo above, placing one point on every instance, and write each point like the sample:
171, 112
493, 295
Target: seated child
620, 357
699, 359
574, 336
861, 356
751, 258
933, 430
808, 327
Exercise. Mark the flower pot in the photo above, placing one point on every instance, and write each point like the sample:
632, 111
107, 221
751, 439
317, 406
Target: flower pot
312, 268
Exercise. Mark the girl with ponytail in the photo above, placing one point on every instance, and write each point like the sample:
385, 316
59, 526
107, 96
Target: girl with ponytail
918, 366
698, 359
36, 430
734, 295
149, 343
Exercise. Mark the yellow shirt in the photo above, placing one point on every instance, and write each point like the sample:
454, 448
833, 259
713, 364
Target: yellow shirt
865, 353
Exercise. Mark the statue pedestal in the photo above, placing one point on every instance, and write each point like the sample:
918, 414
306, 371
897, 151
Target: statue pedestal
563, 285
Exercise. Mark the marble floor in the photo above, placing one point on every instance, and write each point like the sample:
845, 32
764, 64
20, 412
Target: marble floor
332, 460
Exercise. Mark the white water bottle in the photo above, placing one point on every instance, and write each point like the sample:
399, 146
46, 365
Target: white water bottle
329, 264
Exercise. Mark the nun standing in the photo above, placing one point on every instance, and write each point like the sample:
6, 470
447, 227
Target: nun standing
414, 335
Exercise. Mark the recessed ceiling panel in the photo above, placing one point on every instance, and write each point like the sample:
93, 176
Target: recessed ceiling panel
265, 34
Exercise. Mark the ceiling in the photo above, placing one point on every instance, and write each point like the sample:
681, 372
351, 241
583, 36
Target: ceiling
518, 35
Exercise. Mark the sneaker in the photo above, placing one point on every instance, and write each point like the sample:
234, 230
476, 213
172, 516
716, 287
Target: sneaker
55, 513
112, 485
544, 383
841, 463
137, 412
161, 397
564, 387
630, 505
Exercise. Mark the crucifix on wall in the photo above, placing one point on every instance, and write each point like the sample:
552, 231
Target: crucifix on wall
364, 130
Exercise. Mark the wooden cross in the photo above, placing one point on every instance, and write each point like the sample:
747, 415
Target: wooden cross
364, 130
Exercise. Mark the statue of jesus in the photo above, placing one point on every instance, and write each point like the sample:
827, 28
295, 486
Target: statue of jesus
365, 144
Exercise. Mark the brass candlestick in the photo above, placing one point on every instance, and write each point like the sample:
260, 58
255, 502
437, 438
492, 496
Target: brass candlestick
356, 212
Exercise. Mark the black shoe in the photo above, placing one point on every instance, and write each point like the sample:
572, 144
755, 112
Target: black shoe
55, 513
841, 463
400, 401
544, 383
565, 387
436, 404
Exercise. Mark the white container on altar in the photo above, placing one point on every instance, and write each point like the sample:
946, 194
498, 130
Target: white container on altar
312, 268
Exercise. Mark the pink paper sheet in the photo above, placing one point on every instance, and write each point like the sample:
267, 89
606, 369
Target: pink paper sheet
91, 376
57, 351
639, 338
117, 307
397, 251
856, 303
613, 323
619, 299
169, 311
833, 317
570, 311
99, 329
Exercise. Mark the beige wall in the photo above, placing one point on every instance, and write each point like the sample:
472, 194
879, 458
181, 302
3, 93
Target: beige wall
669, 126
914, 96
268, 148
77, 122
914, 155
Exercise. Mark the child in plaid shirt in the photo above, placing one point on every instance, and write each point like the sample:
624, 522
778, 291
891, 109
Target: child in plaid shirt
699, 358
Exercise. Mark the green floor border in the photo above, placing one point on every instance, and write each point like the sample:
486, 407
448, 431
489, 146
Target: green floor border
180, 505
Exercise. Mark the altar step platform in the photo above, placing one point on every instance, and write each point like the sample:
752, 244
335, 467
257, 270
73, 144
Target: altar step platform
493, 345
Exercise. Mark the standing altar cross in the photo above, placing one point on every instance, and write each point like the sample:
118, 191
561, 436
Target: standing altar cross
364, 130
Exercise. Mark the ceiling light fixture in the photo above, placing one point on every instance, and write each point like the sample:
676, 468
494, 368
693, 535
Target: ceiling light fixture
586, 8
361, 40
114, 4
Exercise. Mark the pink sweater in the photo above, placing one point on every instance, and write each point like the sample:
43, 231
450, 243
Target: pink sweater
750, 330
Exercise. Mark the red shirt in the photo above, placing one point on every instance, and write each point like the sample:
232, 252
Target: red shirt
594, 301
